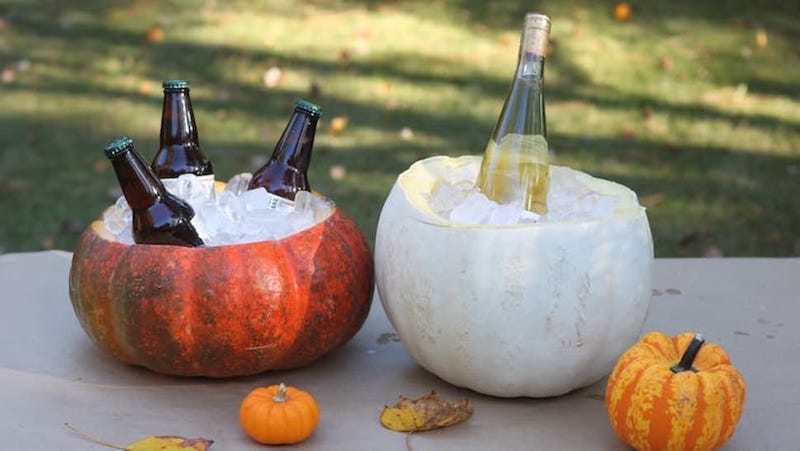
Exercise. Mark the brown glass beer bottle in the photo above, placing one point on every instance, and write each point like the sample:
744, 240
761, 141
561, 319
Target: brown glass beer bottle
179, 151
285, 172
158, 216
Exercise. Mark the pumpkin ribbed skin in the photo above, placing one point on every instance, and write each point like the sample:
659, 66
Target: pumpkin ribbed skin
223, 311
532, 310
653, 408
272, 422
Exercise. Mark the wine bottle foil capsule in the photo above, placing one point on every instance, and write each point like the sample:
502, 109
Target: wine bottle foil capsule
536, 33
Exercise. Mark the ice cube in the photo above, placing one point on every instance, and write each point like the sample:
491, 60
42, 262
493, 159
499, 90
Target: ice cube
445, 196
506, 213
118, 217
191, 188
318, 206
125, 237
475, 209
238, 183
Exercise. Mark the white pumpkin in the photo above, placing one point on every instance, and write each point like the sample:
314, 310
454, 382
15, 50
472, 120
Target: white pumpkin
516, 310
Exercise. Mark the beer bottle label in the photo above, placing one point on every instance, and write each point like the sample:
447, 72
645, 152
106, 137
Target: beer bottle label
279, 203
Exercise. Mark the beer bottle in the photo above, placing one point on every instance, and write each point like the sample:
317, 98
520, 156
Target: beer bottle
179, 151
515, 163
285, 172
158, 216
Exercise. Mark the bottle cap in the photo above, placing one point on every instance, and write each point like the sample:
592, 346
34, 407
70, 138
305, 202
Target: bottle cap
118, 145
538, 21
172, 85
536, 33
309, 107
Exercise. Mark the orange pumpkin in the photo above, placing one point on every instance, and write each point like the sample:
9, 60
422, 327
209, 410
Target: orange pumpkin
278, 415
675, 393
222, 311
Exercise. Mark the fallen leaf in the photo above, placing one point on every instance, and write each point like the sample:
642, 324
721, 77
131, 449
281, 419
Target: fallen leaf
622, 11
629, 132
666, 62
338, 124
406, 134
8, 75
272, 76
426, 413
152, 443
169, 443
146, 87
101, 165
761, 38
338, 172
155, 34
344, 58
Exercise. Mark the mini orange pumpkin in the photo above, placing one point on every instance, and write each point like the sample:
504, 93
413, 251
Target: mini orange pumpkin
278, 415
675, 393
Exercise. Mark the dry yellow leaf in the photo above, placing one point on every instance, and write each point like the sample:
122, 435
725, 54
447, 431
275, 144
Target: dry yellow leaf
169, 443
153, 443
426, 413
338, 124
761, 38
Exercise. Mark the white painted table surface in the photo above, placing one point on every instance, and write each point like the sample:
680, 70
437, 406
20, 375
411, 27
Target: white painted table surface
51, 374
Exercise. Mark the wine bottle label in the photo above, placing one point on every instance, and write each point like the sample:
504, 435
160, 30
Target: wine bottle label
279, 203
187, 187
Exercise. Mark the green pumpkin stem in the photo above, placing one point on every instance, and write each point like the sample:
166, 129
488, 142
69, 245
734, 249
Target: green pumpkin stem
688, 357
280, 395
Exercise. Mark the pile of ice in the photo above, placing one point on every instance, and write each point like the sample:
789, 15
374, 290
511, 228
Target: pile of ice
234, 215
457, 199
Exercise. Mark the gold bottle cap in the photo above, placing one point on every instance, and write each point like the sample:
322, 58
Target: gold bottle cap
536, 33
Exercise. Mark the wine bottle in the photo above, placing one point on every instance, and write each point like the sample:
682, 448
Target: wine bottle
515, 162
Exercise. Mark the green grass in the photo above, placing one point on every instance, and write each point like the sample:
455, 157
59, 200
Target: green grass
681, 103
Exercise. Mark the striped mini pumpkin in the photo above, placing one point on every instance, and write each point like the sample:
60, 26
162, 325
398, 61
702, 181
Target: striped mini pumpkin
675, 394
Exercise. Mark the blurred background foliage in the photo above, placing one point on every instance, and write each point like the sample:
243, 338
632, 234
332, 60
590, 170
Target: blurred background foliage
694, 105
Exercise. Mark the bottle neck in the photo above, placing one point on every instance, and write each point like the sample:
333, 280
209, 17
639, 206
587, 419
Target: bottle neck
178, 126
523, 110
531, 67
140, 186
296, 142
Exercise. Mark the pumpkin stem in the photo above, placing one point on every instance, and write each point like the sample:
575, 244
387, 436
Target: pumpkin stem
280, 395
688, 357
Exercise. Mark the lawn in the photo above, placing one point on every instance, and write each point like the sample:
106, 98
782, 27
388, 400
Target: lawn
694, 105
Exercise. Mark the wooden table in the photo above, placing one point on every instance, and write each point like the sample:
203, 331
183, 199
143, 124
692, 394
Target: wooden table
51, 374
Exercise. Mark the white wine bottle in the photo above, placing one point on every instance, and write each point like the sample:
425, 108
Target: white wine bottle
515, 163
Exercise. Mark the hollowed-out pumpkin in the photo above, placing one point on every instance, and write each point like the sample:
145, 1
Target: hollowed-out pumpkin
518, 310
222, 311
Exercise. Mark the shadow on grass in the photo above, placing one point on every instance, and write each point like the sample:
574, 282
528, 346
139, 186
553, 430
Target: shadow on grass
735, 187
